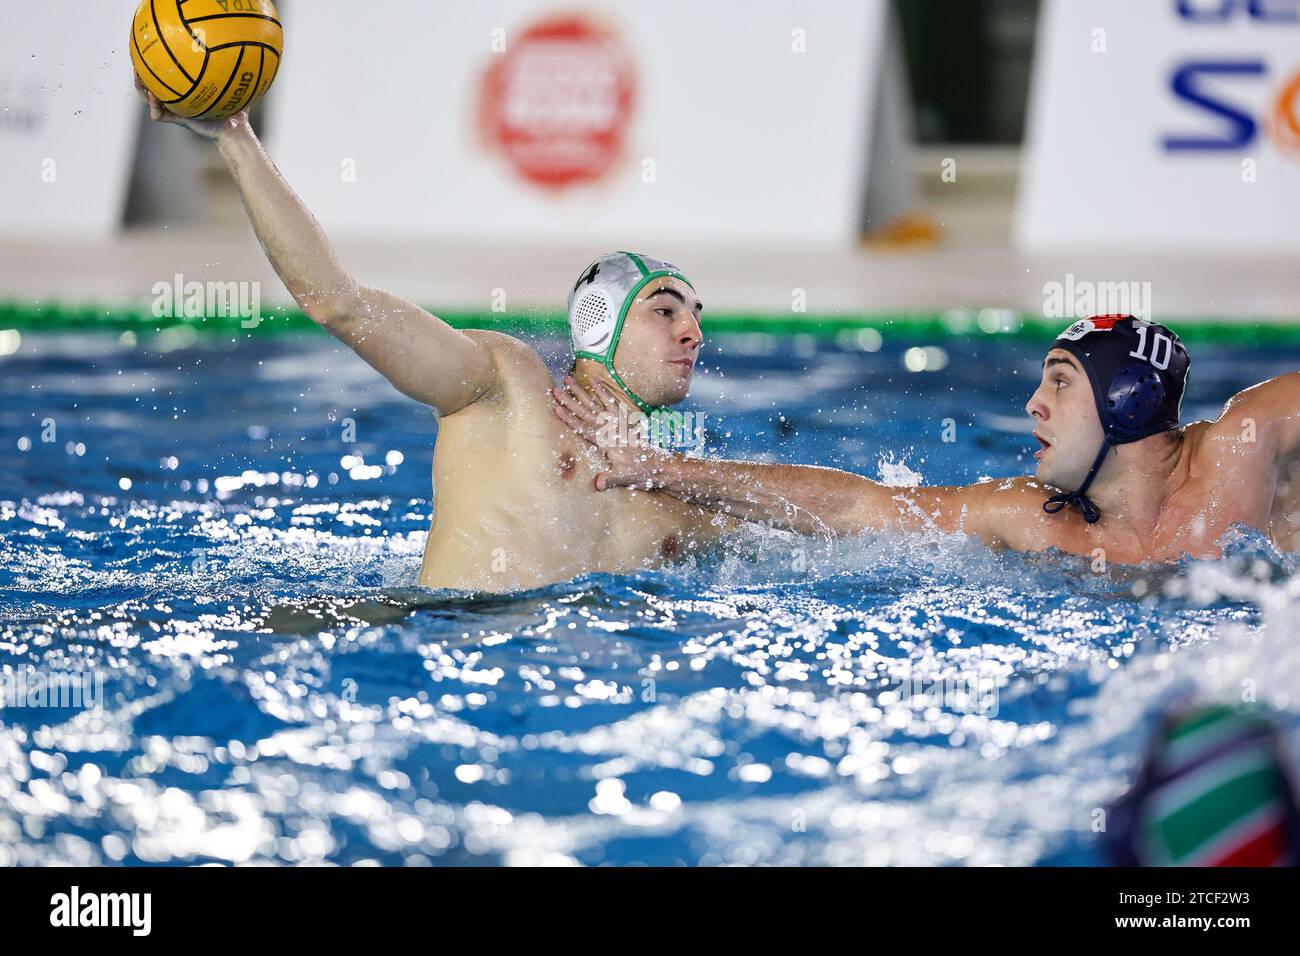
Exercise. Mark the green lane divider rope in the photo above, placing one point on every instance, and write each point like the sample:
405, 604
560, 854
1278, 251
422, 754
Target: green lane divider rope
74, 317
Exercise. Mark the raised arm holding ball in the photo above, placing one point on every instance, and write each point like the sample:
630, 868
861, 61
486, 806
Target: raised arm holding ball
423, 357
516, 504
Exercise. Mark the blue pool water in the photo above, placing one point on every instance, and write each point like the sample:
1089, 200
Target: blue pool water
182, 521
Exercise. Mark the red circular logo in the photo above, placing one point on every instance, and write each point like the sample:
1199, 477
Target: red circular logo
558, 102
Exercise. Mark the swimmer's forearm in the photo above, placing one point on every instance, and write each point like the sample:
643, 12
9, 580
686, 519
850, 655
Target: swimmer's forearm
802, 498
292, 238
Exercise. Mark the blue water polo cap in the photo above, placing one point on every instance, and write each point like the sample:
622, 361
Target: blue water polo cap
1138, 372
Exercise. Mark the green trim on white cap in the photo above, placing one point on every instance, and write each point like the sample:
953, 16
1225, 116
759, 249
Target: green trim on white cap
607, 358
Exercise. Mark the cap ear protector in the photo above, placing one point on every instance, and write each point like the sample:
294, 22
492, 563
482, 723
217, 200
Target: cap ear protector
592, 320
1132, 401
599, 303
1138, 373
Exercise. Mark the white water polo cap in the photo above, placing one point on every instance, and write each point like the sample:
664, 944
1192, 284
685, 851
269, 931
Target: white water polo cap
600, 300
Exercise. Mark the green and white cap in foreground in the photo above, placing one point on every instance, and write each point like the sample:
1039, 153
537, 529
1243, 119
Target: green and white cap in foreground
599, 303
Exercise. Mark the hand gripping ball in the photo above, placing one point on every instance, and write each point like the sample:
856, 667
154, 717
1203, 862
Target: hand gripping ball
206, 59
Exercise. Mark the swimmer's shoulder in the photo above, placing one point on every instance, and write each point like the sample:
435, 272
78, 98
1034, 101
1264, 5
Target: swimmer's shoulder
1263, 420
1240, 436
518, 365
498, 343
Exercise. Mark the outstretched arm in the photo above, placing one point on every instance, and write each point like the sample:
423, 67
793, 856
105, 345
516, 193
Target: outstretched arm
802, 498
805, 498
419, 354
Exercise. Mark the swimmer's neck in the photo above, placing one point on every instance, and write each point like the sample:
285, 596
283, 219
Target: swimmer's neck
1139, 479
587, 373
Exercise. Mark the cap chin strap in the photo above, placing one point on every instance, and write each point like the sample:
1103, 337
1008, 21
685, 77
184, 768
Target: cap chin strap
1080, 497
662, 423
645, 406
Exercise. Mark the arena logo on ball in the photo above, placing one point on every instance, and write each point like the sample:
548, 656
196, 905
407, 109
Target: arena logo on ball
558, 102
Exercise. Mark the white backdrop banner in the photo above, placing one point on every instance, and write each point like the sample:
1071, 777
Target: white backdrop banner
619, 121
1164, 124
68, 116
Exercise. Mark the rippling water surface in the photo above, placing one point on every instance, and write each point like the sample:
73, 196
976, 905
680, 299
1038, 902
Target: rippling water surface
187, 536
